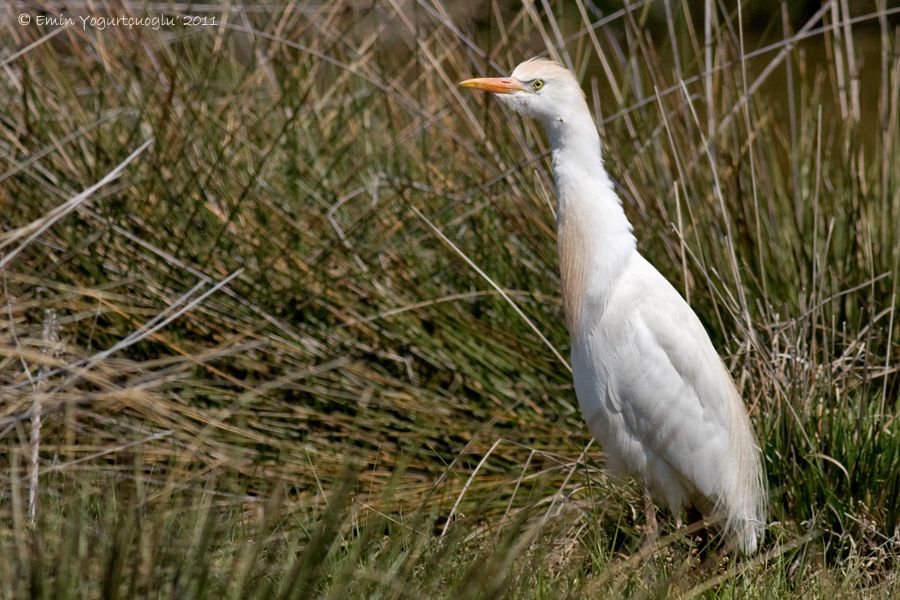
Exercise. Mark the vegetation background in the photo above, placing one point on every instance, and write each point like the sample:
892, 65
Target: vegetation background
280, 311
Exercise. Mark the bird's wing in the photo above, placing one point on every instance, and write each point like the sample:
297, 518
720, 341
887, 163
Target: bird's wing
671, 386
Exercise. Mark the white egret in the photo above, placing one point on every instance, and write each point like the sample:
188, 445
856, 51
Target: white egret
651, 387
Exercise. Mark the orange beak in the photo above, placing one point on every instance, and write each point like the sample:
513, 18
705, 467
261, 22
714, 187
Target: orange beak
497, 85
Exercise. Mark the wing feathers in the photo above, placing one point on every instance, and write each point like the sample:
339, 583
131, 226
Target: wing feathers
680, 422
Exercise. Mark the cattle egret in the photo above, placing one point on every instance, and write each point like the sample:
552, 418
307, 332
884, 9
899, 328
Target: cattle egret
649, 383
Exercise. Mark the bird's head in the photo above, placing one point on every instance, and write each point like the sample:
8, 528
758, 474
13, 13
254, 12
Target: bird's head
538, 88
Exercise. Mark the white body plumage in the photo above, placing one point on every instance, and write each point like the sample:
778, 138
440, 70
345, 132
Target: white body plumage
649, 383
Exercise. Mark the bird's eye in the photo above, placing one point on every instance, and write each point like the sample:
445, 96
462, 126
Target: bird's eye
537, 84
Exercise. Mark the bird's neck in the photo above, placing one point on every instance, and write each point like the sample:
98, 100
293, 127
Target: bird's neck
593, 234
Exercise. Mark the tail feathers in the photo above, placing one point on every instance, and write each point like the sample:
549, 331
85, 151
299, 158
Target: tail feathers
743, 526
742, 529
748, 535
744, 494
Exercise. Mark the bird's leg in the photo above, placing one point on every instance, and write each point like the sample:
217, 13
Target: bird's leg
651, 527
701, 537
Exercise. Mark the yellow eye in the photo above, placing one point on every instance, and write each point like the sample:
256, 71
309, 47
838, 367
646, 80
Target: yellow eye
537, 84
